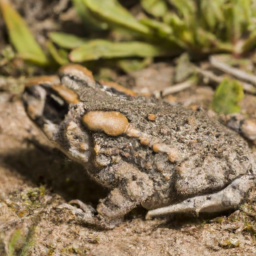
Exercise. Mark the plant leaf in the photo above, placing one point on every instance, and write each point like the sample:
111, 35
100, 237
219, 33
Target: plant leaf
212, 12
162, 28
131, 65
184, 68
235, 19
67, 41
209, 42
87, 18
249, 43
184, 7
157, 8
227, 96
21, 37
56, 54
160, 31
114, 13
96, 49
183, 35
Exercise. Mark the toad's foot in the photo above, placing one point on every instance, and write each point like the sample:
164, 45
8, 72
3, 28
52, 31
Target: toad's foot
87, 215
133, 188
228, 198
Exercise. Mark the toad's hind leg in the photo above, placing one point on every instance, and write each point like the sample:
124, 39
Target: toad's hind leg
130, 187
228, 198
133, 187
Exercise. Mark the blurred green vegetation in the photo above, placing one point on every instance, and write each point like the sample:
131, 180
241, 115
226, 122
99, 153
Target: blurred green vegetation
20, 36
227, 96
161, 28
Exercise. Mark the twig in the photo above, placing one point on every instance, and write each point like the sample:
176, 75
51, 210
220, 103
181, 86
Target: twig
210, 75
218, 79
248, 87
178, 87
233, 71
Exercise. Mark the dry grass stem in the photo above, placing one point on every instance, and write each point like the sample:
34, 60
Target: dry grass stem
178, 87
241, 75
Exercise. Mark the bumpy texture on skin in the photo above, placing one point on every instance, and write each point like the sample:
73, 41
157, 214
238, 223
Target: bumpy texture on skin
118, 87
211, 156
147, 152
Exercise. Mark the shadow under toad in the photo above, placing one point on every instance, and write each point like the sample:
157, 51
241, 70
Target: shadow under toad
49, 167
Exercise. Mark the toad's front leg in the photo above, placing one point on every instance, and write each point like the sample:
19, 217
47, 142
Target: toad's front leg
132, 187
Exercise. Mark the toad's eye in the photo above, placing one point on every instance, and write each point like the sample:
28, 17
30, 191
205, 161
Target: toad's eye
75, 77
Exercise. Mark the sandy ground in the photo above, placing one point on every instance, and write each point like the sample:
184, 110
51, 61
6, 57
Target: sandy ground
35, 179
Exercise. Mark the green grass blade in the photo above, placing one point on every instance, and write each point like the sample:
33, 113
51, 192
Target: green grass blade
250, 42
21, 37
184, 7
245, 7
212, 12
86, 17
56, 54
157, 8
163, 33
115, 14
162, 28
131, 65
97, 49
66, 41
235, 20
181, 33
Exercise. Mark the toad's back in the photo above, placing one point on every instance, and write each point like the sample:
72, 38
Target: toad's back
183, 151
